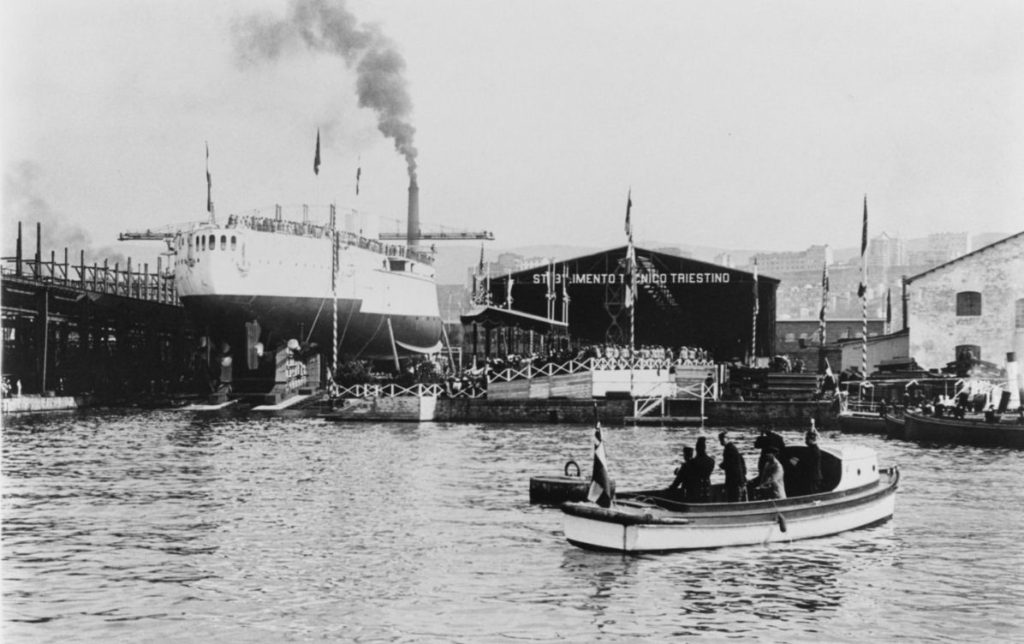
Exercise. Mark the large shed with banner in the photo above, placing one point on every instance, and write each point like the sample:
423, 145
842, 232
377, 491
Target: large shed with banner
680, 302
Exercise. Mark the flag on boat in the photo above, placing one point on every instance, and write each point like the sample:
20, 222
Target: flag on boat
888, 306
359, 173
209, 182
863, 288
600, 484
316, 157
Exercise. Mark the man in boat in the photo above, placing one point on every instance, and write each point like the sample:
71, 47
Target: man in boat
773, 480
768, 439
704, 465
685, 474
735, 470
807, 467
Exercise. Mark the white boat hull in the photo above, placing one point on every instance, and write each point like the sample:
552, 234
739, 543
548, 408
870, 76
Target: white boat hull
645, 528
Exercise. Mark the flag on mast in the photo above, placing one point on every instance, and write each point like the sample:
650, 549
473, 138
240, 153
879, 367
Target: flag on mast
359, 173
863, 288
316, 157
888, 306
209, 182
630, 255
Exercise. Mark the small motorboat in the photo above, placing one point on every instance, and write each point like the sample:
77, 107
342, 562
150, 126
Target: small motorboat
860, 422
857, 493
993, 429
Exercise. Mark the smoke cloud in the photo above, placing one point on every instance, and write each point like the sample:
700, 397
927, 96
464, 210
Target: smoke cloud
328, 26
23, 202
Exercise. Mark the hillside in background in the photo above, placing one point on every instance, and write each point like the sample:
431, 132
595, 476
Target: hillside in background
453, 261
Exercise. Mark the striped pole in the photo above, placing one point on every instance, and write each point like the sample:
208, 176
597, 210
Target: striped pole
334, 298
864, 338
753, 325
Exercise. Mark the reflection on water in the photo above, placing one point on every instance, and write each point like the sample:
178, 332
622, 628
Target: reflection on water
190, 528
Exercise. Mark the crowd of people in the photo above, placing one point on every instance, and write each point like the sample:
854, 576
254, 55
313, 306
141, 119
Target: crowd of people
693, 476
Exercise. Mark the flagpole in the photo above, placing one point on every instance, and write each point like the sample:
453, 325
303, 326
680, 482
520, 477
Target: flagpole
822, 324
864, 294
631, 288
753, 330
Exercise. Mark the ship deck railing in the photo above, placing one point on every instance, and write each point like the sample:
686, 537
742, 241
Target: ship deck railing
260, 223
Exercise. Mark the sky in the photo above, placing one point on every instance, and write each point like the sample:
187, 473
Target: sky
739, 125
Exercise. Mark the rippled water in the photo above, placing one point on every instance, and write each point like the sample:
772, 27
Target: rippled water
171, 527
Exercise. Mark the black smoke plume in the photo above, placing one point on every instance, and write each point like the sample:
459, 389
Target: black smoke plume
328, 26
24, 203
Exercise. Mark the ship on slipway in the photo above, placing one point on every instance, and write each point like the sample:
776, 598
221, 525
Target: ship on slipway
255, 284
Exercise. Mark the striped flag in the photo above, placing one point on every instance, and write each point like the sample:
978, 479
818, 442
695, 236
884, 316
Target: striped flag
600, 483
209, 182
316, 157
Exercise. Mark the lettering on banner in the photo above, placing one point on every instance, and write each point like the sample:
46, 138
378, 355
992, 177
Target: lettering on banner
643, 277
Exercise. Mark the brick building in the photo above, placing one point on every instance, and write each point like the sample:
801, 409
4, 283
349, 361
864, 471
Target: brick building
973, 302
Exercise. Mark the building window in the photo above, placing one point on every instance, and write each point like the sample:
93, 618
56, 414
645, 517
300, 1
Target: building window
967, 352
968, 303
1019, 313
223, 242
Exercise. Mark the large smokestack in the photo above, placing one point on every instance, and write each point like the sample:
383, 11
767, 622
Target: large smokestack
413, 230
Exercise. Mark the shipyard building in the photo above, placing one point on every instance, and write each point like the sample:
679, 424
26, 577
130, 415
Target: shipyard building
680, 302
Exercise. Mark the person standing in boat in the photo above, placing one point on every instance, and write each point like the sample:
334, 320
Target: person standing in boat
703, 465
685, 474
773, 480
735, 470
768, 439
807, 467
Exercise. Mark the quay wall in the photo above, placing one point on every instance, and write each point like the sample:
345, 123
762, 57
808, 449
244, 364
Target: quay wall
780, 413
532, 410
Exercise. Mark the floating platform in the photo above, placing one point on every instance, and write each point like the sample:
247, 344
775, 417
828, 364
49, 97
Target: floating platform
667, 421
214, 406
284, 404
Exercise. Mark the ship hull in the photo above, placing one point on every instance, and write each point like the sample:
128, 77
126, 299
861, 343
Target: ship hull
311, 321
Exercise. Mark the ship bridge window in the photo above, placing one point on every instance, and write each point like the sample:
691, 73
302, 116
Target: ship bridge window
396, 264
204, 242
223, 242
234, 242
968, 303
213, 242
